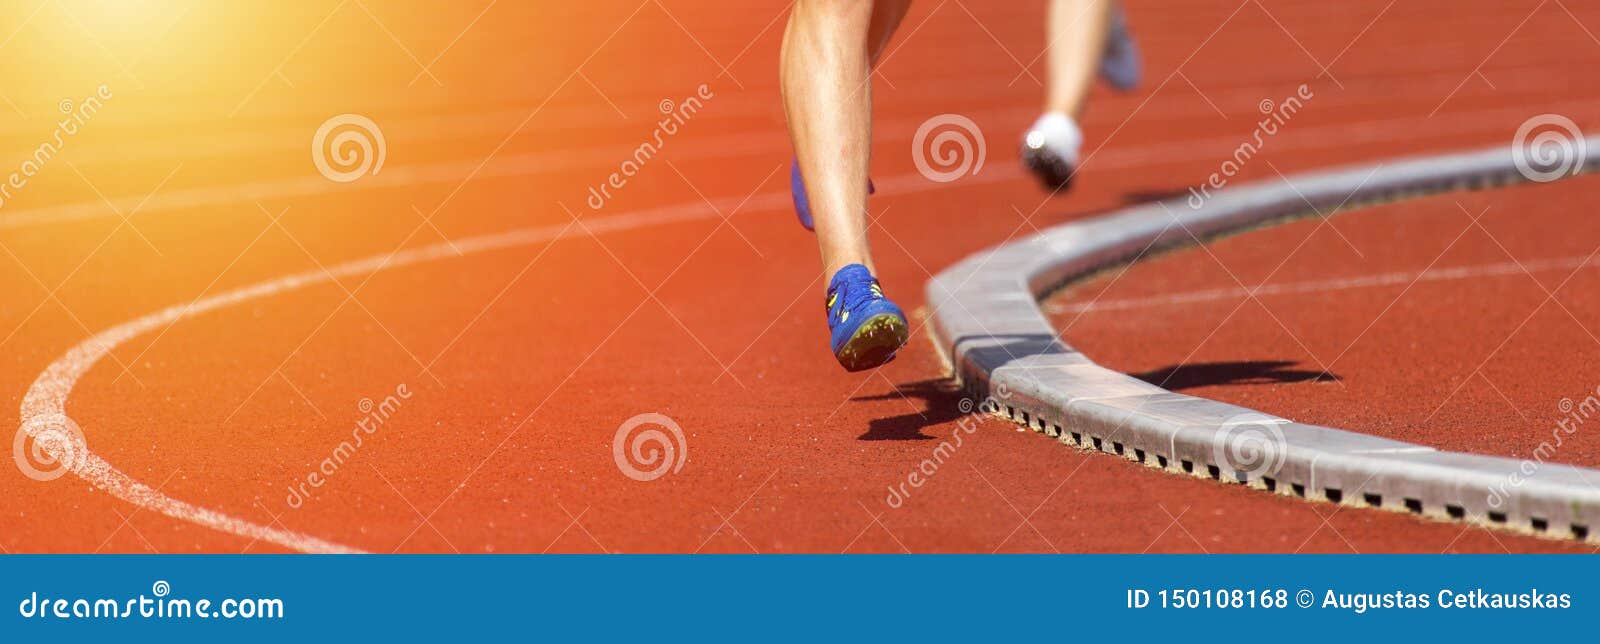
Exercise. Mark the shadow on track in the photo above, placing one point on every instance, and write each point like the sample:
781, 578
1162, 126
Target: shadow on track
943, 405
942, 396
1254, 372
1152, 195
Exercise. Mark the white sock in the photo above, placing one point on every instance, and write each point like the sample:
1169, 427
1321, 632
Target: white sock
1057, 133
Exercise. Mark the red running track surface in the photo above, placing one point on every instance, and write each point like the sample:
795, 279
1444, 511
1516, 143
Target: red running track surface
1462, 321
524, 362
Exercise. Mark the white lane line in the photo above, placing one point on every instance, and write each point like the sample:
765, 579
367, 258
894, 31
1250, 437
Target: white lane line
743, 145
454, 126
1323, 286
48, 394
47, 397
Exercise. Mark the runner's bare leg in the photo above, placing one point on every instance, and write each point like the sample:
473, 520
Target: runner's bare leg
828, 49
1076, 34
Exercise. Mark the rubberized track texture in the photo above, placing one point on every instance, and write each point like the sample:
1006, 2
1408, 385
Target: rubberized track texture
482, 345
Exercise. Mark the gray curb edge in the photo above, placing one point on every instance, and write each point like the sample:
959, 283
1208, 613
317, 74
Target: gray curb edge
1003, 350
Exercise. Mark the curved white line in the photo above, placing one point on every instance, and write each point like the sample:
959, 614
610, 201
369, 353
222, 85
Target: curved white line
47, 397
1330, 285
987, 319
48, 394
720, 147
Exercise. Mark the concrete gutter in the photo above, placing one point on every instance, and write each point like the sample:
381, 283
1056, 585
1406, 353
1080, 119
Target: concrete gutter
1003, 350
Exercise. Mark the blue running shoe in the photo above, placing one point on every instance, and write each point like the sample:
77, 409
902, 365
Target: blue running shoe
1119, 63
797, 190
867, 328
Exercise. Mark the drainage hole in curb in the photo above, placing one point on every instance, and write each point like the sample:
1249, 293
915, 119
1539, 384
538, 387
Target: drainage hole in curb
1188, 466
1374, 500
1497, 517
1298, 489
1333, 495
1414, 505
1539, 524
1270, 483
1580, 531
1455, 511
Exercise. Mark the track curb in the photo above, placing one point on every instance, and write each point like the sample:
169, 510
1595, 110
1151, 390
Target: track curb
986, 317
